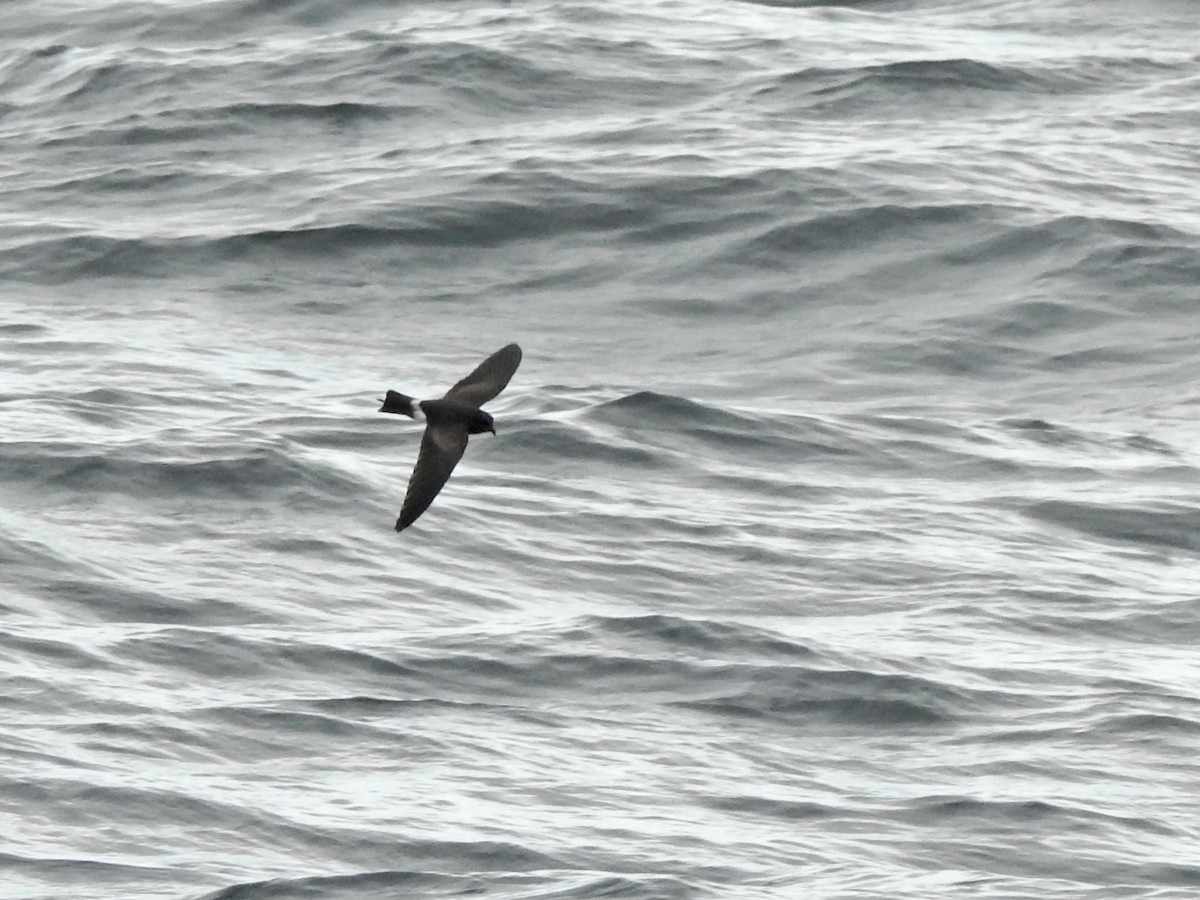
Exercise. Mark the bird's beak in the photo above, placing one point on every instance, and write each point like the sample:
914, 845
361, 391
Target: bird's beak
493, 430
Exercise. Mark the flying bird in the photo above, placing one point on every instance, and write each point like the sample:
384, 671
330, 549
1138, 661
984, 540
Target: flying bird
448, 423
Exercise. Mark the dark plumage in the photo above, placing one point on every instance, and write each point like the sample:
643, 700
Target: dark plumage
449, 421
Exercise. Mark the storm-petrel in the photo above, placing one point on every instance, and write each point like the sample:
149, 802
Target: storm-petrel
448, 423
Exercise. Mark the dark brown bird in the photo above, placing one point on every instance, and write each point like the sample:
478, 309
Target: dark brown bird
449, 422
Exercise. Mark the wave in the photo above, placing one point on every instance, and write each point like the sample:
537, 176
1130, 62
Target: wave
683, 635
365, 885
679, 425
854, 232
852, 698
723, 226
244, 471
957, 82
557, 880
1058, 816
1164, 526
98, 872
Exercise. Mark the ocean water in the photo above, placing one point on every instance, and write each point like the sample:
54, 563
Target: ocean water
840, 537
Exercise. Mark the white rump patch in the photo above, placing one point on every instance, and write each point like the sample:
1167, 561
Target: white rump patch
418, 413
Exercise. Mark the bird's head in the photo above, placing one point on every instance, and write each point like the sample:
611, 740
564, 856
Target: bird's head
481, 422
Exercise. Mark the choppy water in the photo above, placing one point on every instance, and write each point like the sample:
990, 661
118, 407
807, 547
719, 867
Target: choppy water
840, 537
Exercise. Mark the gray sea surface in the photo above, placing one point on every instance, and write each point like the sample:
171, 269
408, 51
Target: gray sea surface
840, 537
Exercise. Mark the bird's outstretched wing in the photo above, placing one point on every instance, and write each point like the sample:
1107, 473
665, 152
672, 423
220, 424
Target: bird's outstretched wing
442, 447
489, 378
